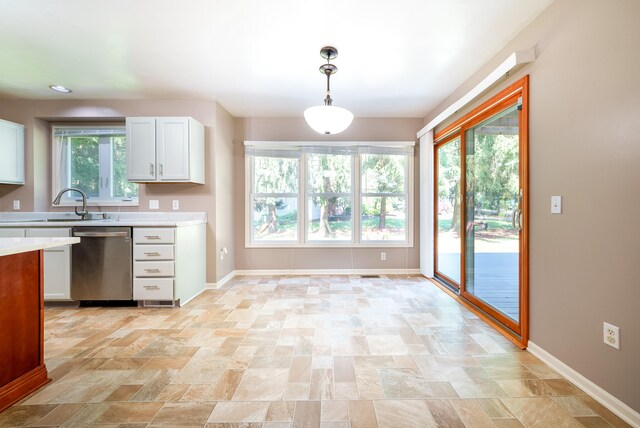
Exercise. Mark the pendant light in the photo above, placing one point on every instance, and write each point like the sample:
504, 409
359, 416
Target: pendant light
328, 119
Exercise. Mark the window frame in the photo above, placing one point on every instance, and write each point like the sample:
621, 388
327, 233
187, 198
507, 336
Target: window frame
303, 240
71, 199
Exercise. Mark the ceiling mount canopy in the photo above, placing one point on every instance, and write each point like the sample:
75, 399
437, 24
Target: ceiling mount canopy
328, 119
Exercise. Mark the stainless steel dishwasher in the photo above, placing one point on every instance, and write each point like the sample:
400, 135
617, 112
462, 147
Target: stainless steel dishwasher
101, 264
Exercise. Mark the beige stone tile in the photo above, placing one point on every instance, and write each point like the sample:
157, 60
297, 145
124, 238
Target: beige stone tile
123, 393
403, 414
494, 408
387, 345
227, 385
59, 415
334, 410
478, 390
593, 422
563, 387
322, 387
574, 406
307, 414
526, 387
173, 392
374, 362
87, 415
444, 414
369, 386
507, 423
539, 412
346, 391
129, 413
94, 387
404, 383
471, 413
300, 369
262, 384
165, 363
240, 411
297, 391
362, 414
281, 411
605, 413
25, 415
154, 386
197, 393
189, 413
343, 369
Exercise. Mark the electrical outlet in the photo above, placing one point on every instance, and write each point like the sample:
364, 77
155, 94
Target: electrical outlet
611, 335
16, 205
383, 256
154, 204
176, 204
556, 205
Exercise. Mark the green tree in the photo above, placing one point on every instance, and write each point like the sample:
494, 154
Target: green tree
328, 174
273, 175
383, 174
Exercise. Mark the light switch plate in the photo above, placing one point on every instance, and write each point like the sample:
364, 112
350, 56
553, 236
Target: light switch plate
556, 205
16, 205
154, 204
175, 204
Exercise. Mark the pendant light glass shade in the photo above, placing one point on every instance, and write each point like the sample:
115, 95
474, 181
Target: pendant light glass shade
328, 119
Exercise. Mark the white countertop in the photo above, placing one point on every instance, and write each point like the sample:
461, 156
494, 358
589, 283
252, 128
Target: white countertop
139, 219
10, 246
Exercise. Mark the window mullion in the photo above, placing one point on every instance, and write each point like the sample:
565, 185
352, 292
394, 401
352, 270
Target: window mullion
356, 204
302, 199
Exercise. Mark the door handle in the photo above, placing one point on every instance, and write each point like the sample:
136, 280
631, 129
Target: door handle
100, 234
155, 254
517, 214
161, 169
513, 218
151, 168
152, 270
151, 287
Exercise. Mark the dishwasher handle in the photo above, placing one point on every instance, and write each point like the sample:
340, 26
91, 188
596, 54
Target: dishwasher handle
101, 234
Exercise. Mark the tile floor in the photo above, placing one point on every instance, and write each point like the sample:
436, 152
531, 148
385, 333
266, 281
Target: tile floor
301, 351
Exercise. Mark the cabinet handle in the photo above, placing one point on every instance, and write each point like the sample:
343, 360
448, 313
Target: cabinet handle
152, 270
161, 169
152, 254
151, 287
152, 236
151, 168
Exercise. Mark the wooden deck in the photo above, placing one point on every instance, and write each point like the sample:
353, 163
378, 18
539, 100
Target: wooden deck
495, 280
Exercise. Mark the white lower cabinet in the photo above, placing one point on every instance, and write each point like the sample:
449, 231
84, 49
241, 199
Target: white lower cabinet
168, 264
57, 261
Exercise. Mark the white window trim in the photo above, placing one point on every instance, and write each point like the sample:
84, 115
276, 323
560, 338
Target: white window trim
70, 199
356, 198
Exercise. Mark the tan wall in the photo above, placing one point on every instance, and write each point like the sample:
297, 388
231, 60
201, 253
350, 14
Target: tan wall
584, 145
296, 129
35, 195
224, 217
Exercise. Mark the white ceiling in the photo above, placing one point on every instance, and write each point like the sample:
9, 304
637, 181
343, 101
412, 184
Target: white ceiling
257, 58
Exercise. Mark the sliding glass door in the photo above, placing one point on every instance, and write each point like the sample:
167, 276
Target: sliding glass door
492, 214
481, 245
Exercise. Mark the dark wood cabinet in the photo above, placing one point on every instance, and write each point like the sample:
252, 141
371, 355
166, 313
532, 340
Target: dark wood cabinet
22, 368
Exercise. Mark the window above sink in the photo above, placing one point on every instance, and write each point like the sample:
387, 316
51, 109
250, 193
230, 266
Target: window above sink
93, 159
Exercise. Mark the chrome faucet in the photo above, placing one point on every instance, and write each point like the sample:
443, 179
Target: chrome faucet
84, 211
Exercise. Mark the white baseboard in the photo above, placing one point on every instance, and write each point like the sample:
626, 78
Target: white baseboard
221, 282
328, 272
603, 397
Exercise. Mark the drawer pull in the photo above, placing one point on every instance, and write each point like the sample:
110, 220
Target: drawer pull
152, 270
156, 254
152, 236
152, 287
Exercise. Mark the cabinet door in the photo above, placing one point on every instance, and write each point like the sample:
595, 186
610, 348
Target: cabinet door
173, 148
57, 264
11, 152
141, 149
11, 232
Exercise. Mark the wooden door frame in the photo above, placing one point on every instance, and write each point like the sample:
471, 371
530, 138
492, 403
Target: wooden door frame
503, 100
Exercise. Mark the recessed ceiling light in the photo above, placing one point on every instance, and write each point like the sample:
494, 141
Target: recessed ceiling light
60, 88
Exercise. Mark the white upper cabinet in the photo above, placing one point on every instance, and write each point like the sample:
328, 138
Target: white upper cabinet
11, 152
165, 149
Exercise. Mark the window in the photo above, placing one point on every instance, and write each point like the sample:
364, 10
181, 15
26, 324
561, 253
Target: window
347, 194
92, 159
274, 199
329, 197
384, 197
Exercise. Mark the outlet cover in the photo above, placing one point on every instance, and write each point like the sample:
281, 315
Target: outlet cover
175, 204
383, 256
154, 204
16, 205
611, 335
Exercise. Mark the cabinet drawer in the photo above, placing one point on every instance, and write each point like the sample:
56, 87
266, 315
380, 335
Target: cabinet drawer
153, 236
142, 269
153, 289
153, 252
